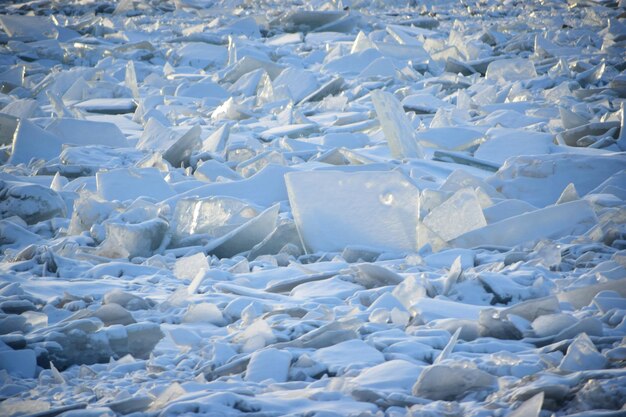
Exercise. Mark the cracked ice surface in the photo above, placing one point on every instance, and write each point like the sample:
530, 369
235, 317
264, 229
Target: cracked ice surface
327, 208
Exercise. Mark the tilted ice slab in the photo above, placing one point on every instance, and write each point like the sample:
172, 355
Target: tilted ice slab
553, 222
375, 209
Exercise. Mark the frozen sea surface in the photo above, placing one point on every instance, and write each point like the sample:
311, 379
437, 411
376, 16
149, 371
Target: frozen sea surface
325, 208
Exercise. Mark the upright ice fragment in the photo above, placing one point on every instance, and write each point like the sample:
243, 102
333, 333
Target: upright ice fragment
397, 128
375, 209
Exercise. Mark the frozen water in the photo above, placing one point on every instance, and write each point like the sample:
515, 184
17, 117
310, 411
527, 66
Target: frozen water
330, 208
341, 216
268, 364
552, 222
398, 131
459, 214
129, 184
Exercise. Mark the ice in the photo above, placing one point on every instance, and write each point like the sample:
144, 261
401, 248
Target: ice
129, 184
340, 358
190, 266
446, 382
509, 70
582, 355
423, 103
552, 222
211, 217
268, 364
129, 240
398, 131
246, 236
30, 141
449, 138
264, 188
502, 144
204, 313
87, 132
323, 208
518, 178
341, 217
530, 407
390, 375
20, 363
30, 202
464, 208
31, 28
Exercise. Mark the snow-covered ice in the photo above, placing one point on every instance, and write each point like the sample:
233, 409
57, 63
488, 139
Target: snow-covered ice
328, 208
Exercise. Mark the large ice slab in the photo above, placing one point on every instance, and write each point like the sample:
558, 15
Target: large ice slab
375, 209
30, 141
552, 222
540, 180
87, 132
198, 219
264, 188
129, 184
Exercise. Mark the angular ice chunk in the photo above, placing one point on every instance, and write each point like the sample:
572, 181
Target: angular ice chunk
459, 214
551, 324
113, 314
202, 89
389, 376
552, 222
449, 138
429, 309
508, 70
128, 184
201, 55
530, 407
540, 179
502, 144
131, 240
205, 218
396, 126
19, 363
343, 214
204, 313
87, 132
379, 68
452, 382
180, 151
351, 354
505, 209
374, 276
30, 28
246, 236
284, 234
299, 82
423, 103
31, 202
189, 266
30, 141
128, 301
268, 364
582, 355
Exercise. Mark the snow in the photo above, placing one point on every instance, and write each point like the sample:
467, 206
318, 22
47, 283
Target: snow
330, 208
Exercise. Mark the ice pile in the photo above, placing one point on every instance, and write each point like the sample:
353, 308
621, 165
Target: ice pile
355, 208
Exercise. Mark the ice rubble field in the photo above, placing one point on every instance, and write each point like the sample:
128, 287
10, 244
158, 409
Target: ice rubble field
245, 208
